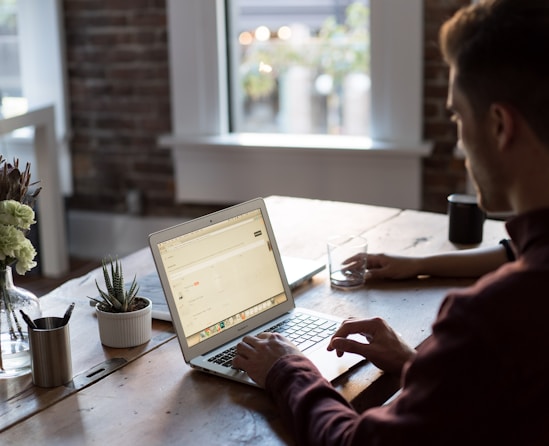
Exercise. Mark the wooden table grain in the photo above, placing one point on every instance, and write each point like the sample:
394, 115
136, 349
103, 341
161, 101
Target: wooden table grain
148, 393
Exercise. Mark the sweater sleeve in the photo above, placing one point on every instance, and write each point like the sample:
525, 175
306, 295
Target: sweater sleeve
314, 410
438, 386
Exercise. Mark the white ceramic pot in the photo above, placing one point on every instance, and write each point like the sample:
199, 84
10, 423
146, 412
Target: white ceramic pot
123, 330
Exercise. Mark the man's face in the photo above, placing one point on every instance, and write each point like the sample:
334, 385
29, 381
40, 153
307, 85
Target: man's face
478, 142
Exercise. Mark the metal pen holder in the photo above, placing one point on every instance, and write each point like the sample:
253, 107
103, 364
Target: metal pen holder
50, 349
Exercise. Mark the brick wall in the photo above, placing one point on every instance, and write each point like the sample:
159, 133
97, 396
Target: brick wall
119, 97
443, 174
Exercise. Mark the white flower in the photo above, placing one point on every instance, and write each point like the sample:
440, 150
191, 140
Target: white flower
25, 255
16, 214
10, 239
14, 246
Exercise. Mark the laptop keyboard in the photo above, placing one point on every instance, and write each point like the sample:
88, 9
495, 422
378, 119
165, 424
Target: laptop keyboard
303, 330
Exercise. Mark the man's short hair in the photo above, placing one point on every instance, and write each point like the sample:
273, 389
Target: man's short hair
499, 50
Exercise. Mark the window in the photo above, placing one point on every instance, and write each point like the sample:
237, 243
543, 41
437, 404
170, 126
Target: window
200, 68
33, 76
217, 161
11, 92
299, 67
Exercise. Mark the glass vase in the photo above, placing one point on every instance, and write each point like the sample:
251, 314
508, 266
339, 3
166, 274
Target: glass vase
14, 340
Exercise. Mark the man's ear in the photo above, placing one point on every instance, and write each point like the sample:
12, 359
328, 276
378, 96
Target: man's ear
503, 125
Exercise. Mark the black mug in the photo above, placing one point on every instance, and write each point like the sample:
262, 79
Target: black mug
466, 219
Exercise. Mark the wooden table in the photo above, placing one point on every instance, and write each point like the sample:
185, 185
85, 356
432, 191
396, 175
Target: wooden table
148, 395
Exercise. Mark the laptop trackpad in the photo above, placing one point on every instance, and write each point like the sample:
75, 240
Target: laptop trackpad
330, 365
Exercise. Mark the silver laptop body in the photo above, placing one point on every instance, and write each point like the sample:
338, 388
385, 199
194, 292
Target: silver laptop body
223, 278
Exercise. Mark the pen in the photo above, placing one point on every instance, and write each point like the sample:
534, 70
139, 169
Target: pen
68, 313
28, 320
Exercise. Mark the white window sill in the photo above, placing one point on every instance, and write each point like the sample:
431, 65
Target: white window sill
304, 143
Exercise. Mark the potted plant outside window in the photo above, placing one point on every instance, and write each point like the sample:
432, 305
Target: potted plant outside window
124, 318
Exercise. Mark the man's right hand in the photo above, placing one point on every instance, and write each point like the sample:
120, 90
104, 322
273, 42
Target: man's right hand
382, 345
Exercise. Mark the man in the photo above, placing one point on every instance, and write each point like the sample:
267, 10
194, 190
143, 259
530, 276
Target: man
483, 376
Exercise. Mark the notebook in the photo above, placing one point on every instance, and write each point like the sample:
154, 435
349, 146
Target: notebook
298, 271
223, 278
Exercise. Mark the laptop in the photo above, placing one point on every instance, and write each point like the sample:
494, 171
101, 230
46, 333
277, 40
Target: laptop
223, 278
298, 271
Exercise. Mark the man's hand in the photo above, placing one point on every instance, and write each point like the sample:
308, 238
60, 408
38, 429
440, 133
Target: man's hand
383, 266
257, 354
382, 346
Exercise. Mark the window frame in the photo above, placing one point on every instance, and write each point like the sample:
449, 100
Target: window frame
42, 56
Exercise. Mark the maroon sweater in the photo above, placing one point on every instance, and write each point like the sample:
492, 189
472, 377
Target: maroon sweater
482, 378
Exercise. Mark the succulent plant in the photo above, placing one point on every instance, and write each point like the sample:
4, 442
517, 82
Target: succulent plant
117, 298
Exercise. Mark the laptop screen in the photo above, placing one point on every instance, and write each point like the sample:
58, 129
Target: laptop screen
222, 275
